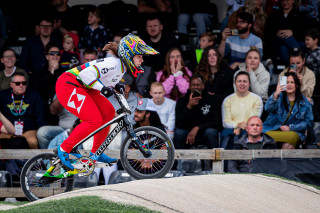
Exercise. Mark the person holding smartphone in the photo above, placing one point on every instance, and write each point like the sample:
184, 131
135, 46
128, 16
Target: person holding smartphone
235, 47
304, 74
290, 113
197, 118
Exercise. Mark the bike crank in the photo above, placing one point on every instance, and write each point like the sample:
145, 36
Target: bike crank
85, 166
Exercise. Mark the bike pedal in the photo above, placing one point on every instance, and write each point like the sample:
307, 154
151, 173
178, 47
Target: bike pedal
103, 165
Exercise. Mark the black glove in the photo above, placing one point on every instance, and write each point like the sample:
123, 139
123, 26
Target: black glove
107, 91
120, 87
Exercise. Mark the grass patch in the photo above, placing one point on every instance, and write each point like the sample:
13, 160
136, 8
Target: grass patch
80, 204
14, 204
283, 178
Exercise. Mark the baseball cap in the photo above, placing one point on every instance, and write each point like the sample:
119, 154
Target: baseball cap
146, 104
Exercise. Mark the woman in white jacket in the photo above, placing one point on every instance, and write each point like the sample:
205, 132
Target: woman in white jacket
259, 76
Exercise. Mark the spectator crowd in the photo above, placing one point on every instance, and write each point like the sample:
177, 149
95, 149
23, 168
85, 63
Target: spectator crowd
224, 90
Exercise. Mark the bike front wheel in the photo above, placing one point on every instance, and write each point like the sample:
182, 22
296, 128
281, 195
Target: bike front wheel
162, 154
35, 186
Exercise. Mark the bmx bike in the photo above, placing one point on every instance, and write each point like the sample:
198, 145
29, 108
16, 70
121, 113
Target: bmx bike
147, 152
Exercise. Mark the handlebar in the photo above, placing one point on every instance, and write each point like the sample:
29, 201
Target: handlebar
121, 100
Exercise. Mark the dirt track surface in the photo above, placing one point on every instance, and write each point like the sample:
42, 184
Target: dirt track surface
208, 193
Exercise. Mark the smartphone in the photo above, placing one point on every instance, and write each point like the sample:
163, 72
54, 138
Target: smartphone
234, 32
293, 67
283, 80
196, 93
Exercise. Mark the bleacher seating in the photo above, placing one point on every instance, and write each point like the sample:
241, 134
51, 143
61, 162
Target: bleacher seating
86, 181
5, 179
82, 11
190, 167
119, 176
118, 16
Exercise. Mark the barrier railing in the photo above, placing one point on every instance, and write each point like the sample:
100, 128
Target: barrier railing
216, 155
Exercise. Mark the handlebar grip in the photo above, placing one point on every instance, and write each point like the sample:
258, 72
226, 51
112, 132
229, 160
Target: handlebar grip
107, 91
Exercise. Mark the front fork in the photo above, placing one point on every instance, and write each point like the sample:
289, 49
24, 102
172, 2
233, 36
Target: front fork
135, 139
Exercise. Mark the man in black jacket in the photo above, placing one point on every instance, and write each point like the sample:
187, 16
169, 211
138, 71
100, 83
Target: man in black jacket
254, 139
23, 108
159, 40
285, 30
33, 58
196, 117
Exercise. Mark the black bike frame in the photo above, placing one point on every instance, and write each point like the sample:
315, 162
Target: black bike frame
123, 122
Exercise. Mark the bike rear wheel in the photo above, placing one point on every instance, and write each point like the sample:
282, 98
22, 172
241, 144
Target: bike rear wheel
35, 186
158, 164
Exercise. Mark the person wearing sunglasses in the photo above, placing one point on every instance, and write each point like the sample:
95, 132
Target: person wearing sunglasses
45, 81
57, 117
23, 108
33, 58
83, 91
8, 59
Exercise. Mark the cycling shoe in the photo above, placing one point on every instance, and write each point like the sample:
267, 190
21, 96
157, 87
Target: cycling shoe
64, 157
103, 158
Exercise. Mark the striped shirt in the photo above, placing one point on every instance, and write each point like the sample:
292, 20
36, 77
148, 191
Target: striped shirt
237, 48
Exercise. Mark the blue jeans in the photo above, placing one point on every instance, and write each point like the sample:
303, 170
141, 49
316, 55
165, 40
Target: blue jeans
283, 46
224, 23
209, 137
46, 133
227, 138
200, 20
3, 25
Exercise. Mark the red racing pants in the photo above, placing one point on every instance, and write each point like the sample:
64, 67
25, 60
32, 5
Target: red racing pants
89, 105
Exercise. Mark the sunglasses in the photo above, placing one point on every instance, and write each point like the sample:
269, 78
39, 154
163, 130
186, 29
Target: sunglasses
18, 83
54, 53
